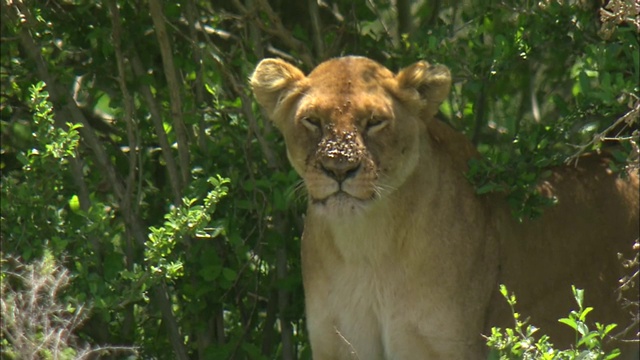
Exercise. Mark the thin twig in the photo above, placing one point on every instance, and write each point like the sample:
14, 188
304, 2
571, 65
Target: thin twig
631, 117
352, 350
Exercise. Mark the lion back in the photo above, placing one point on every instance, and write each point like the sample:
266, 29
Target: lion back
580, 241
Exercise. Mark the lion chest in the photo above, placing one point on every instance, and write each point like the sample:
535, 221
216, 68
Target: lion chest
351, 309
358, 287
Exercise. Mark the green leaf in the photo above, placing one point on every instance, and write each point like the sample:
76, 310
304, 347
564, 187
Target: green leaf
613, 354
74, 204
210, 272
113, 264
570, 322
487, 188
578, 294
582, 328
587, 340
229, 274
609, 328
585, 312
503, 291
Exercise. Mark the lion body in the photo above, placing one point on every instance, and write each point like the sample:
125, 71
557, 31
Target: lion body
401, 259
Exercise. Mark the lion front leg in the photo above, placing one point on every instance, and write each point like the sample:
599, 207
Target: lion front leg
433, 327
343, 337
406, 345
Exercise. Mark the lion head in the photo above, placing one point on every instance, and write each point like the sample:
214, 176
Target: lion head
352, 127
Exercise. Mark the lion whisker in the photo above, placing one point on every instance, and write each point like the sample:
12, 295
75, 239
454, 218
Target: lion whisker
299, 191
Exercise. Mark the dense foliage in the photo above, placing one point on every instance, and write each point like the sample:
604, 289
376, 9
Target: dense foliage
134, 156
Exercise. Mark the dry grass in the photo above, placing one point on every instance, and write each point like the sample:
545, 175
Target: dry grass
37, 323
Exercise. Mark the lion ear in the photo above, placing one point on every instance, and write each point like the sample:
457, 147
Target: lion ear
272, 81
432, 82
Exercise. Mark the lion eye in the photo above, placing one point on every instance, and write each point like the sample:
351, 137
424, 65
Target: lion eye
376, 124
311, 123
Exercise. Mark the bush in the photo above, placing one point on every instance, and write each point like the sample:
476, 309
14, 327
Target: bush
519, 342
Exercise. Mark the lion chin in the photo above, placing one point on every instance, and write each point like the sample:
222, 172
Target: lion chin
342, 204
401, 259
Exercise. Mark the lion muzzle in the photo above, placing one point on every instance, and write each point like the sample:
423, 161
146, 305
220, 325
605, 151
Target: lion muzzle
340, 155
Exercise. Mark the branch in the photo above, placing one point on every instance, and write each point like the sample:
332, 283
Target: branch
316, 27
194, 25
238, 89
275, 28
282, 295
156, 119
128, 106
387, 31
272, 159
77, 174
129, 205
174, 87
286, 331
268, 331
405, 20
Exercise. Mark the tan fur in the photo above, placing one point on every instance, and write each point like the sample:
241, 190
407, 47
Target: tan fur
401, 260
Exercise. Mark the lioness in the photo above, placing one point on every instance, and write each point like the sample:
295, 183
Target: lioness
401, 259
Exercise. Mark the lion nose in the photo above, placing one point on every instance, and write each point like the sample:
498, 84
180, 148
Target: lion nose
341, 170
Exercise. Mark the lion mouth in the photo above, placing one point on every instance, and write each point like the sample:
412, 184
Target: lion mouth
341, 198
